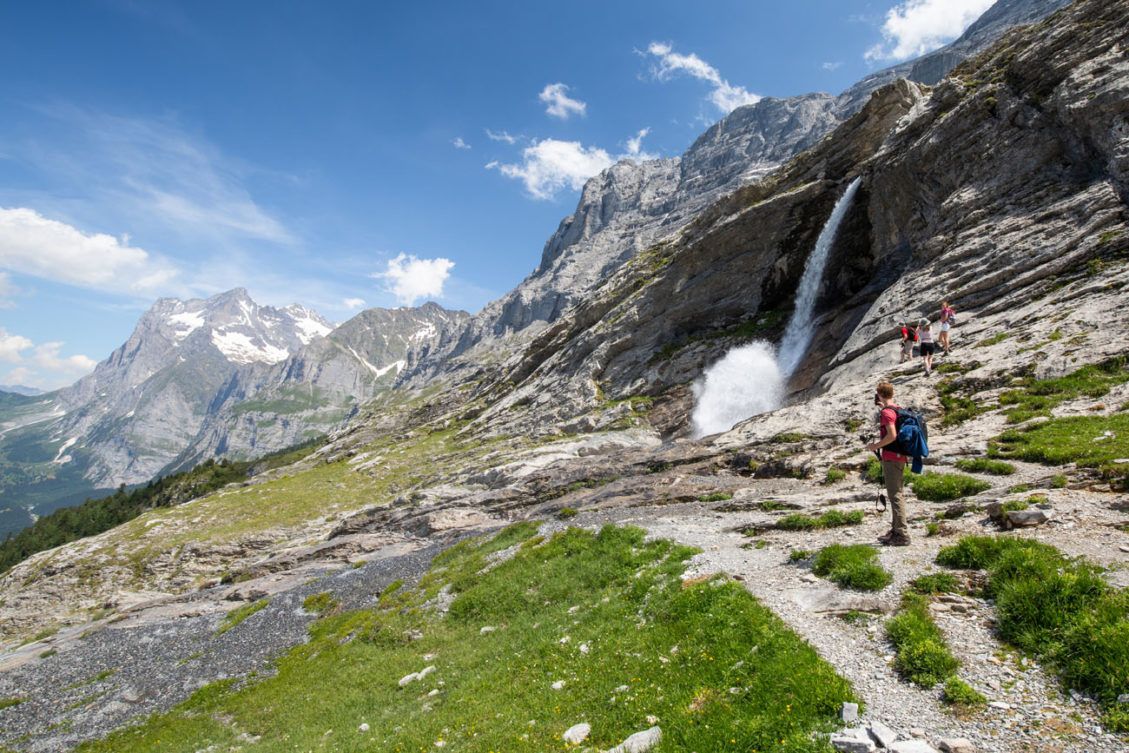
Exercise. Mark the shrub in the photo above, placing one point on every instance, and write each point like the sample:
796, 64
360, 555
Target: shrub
1058, 481
320, 603
922, 656
1059, 609
986, 465
715, 497
567, 512
942, 487
829, 519
852, 566
798, 555
834, 475
959, 693
935, 583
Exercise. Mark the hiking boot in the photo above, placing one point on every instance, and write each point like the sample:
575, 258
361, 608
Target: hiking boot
895, 540
885, 538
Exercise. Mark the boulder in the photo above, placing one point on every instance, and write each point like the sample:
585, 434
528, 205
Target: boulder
853, 740
577, 733
640, 742
956, 745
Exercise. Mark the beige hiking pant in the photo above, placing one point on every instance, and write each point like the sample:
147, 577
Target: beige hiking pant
893, 472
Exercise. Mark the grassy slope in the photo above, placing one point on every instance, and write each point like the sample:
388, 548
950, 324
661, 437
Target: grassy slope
719, 671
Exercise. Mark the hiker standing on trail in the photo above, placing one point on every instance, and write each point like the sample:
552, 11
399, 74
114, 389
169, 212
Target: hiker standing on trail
909, 337
893, 465
928, 346
948, 319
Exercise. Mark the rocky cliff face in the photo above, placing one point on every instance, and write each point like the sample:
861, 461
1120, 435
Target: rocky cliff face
1009, 176
632, 205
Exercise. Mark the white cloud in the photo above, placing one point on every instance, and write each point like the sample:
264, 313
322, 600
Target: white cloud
559, 104
12, 346
724, 95
7, 290
33, 245
635, 146
353, 303
832, 66
550, 165
502, 136
155, 176
916, 27
43, 366
410, 278
459, 143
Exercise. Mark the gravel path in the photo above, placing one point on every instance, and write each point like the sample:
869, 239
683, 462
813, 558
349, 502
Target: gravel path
116, 675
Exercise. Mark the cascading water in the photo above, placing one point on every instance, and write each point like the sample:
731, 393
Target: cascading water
750, 379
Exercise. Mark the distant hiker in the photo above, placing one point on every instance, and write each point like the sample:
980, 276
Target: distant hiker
893, 465
948, 319
909, 337
928, 346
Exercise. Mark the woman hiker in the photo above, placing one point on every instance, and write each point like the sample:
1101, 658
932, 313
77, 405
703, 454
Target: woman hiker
948, 319
928, 346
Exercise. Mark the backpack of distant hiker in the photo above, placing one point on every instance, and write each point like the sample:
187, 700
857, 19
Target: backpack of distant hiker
912, 437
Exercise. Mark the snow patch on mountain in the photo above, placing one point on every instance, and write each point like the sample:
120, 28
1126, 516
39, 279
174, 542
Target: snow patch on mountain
186, 323
239, 348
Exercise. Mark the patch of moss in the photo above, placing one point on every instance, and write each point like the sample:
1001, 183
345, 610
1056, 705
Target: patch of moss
320, 603
239, 614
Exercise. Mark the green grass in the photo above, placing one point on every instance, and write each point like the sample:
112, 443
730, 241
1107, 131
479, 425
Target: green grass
1058, 481
834, 475
799, 555
935, 583
773, 505
1072, 440
1038, 397
958, 408
921, 655
790, 437
942, 487
852, 566
1014, 505
993, 340
1058, 609
6, 703
320, 603
237, 615
656, 646
567, 512
716, 497
961, 695
829, 519
986, 465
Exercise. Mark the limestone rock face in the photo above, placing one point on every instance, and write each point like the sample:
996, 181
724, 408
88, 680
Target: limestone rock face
633, 205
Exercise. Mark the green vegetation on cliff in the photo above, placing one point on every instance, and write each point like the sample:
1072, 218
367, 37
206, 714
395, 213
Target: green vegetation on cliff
584, 627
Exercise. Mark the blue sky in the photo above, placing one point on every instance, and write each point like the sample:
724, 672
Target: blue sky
353, 154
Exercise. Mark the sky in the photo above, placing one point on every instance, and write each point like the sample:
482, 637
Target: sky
351, 154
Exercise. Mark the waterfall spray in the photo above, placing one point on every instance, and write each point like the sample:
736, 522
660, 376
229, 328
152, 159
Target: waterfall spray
750, 379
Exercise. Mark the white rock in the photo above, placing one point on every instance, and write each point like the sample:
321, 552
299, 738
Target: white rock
486, 629
912, 746
583, 648
849, 713
882, 734
853, 740
999, 705
364, 727
956, 745
652, 719
640, 742
558, 685
577, 733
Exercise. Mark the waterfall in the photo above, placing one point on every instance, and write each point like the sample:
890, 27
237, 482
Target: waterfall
750, 379
798, 335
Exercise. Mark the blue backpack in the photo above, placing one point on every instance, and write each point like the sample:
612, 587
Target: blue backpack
912, 437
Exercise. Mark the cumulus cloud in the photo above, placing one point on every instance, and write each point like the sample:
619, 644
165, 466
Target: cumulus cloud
550, 165
32, 244
635, 146
503, 136
43, 365
915, 27
725, 96
559, 104
459, 143
353, 303
410, 278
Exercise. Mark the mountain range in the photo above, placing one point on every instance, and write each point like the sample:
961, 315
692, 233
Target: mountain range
225, 377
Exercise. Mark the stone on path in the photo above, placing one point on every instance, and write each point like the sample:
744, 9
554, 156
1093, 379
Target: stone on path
640, 742
577, 733
956, 745
1027, 518
853, 740
912, 746
849, 713
882, 734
